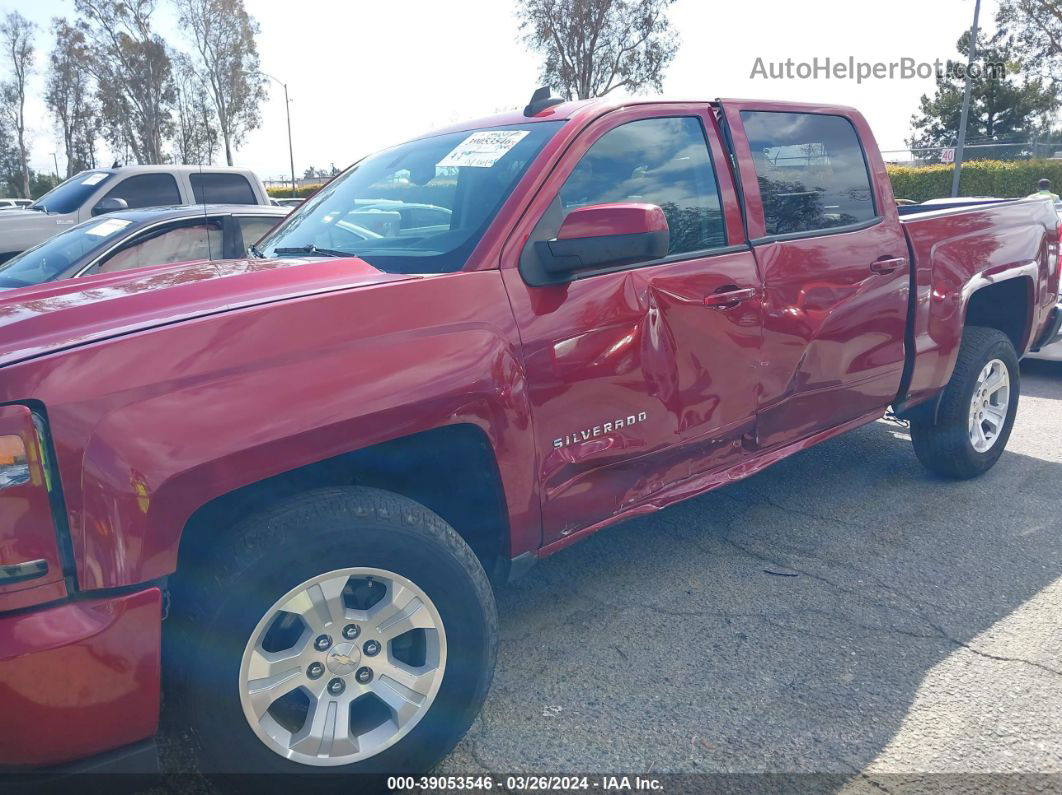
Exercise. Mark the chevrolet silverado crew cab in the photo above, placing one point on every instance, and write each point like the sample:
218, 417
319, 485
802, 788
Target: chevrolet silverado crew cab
281, 487
105, 190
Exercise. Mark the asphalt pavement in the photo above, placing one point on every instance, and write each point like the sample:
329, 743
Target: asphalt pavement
842, 612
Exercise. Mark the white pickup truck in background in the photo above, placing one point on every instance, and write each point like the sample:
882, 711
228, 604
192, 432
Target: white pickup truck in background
105, 190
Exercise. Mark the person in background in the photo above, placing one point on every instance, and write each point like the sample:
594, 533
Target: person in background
1043, 189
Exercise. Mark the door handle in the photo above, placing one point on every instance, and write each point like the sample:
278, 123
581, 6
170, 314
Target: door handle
887, 264
726, 298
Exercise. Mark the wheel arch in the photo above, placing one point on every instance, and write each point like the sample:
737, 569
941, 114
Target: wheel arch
1005, 305
451, 470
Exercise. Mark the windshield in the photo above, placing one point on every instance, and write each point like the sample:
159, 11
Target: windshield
68, 196
54, 256
418, 208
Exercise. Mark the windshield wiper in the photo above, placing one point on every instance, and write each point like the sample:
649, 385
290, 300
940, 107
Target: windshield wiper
311, 249
255, 252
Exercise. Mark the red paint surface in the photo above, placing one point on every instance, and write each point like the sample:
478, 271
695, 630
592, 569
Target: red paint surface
167, 387
79, 678
612, 219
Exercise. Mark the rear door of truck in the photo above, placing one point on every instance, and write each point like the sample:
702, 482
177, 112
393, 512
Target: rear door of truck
833, 257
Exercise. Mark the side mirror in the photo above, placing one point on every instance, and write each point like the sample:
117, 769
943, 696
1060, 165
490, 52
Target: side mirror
111, 205
602, 236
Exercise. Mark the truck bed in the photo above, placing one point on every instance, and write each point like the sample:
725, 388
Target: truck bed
955, 251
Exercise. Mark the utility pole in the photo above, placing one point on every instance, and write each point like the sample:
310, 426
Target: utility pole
965, 103
287, 110
56, 161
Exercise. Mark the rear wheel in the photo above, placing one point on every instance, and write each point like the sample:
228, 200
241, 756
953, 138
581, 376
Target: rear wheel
977, 410
346, 630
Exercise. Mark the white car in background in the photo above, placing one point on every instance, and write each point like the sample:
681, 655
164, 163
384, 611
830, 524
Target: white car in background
14, 204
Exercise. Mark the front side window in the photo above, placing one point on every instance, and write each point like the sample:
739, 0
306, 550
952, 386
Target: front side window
417, 208
811, 171
661, 161
175, 243
221, 189
147, 190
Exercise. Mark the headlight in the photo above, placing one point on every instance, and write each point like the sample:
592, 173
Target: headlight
31, 569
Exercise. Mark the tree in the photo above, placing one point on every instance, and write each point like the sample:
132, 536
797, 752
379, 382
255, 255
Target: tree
16, 36
133, 71
227, 61
593, 47
1004, 108
1037, 28
69, 94
196, 135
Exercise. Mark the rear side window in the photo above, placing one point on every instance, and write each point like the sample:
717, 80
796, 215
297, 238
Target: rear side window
147, 190
254, 227
661, 161
221, 189
811, 171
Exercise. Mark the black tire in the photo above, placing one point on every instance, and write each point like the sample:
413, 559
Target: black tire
944, 446
217, 606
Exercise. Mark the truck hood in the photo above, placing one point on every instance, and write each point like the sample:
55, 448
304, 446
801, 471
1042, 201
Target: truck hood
55, 315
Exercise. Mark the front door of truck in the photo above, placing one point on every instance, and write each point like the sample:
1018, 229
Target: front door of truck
834, 263
636, 382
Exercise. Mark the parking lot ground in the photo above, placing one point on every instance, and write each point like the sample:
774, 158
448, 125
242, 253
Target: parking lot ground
842, 612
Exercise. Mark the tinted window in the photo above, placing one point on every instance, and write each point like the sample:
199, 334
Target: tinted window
174, 243
456, 182
253, 228
660, 161
147, 190
71, 194
221, 189
811, 171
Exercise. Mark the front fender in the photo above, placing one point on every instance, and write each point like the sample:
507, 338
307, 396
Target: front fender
175, 417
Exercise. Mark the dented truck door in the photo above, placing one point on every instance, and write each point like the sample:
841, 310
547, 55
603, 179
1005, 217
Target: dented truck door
834, 259
644, 373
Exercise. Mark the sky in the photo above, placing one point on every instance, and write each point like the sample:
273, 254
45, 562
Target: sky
363, 75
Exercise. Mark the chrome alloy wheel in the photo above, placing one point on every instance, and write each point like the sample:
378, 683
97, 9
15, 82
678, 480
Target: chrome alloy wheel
342, 666
988, 408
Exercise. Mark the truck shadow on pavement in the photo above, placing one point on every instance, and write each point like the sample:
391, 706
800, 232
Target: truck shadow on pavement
842, 612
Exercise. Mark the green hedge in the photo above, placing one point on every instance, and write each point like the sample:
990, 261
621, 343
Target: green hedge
439, 192
1005, 179
284, 192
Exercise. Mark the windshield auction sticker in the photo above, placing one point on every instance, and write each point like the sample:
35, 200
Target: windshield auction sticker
108, 227
94, 179
483, 149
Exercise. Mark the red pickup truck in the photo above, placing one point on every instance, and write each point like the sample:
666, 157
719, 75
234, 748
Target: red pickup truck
282, 488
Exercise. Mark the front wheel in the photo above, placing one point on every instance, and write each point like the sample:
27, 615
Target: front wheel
977, 410
346, 630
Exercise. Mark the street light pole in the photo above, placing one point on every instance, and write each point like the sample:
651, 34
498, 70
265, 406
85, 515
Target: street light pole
965, 103
287, 111
56, 161
291, 152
